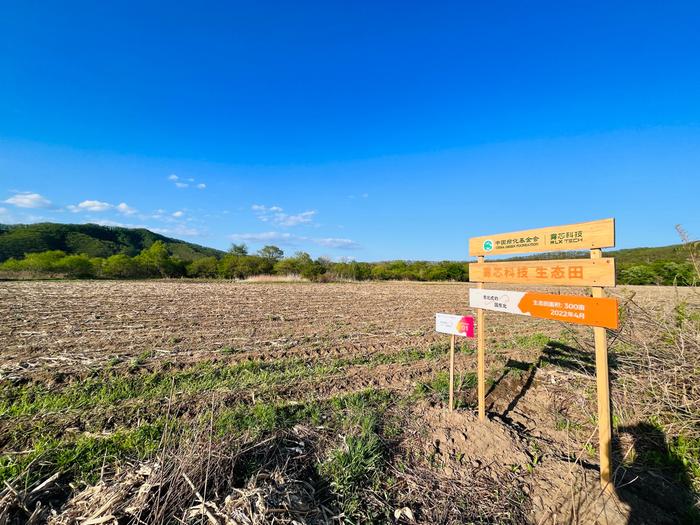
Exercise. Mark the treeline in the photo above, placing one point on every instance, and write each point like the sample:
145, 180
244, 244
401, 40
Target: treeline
157, 261
659, 272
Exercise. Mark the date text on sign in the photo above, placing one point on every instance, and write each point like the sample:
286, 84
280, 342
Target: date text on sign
454, 324
568, 308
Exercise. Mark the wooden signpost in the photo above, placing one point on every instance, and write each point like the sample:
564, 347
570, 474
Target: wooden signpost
454, 325
597, 311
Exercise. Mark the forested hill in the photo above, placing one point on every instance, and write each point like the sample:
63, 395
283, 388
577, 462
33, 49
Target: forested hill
90, 239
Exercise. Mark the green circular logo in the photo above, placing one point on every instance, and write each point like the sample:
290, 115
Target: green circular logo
488, 245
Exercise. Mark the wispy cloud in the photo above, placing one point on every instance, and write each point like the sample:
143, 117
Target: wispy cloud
124, 208
178, 214
101, 206
176, 230
289, 239
26, 199
90, 205
180, 230
276, 215
334, 242
182, 182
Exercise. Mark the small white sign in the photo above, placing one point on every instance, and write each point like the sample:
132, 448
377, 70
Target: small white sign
454, 325
496, 300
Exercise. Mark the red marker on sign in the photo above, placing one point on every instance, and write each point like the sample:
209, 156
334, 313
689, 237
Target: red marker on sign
466, 325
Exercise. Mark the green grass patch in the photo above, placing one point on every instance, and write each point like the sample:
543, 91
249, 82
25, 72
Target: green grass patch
113, 386
260, 418
681, 456
81, 458
357, 466
532, 341
439, 386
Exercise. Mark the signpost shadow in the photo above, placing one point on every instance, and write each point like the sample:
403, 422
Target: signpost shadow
511, 364
662, 495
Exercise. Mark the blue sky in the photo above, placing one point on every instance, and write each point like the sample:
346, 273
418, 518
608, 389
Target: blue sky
352, 129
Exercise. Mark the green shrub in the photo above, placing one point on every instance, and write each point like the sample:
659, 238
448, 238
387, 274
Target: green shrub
121, 267
45, 262
204, 267
76, 266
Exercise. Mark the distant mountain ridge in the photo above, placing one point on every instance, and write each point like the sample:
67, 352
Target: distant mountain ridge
91, 239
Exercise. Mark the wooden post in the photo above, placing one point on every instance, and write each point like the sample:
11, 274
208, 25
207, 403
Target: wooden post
452, 372
480, 359
603, 387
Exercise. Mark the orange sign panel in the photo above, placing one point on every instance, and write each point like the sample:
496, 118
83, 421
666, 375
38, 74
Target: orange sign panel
568, 308
580, 236
567, 272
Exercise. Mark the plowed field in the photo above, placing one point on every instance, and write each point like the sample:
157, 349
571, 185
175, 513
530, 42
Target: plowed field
126, 370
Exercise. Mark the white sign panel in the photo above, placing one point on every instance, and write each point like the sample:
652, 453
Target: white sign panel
454, 325
497, 300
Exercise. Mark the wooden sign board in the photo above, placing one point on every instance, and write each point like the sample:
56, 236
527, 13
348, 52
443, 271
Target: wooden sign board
454, 324
568, 308
566, 272
581, 236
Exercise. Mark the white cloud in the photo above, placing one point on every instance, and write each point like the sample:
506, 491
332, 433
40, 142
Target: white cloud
276, 215
107, 222
91, 205
100, 206
290, 239
124, 208
179, 230
27, 199
178, 214
185, 182
332, 242
278, 237
295, 220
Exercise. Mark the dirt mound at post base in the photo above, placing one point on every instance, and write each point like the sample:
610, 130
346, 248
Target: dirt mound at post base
559, 491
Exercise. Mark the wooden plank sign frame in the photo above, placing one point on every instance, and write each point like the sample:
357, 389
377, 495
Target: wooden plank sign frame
595, 272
